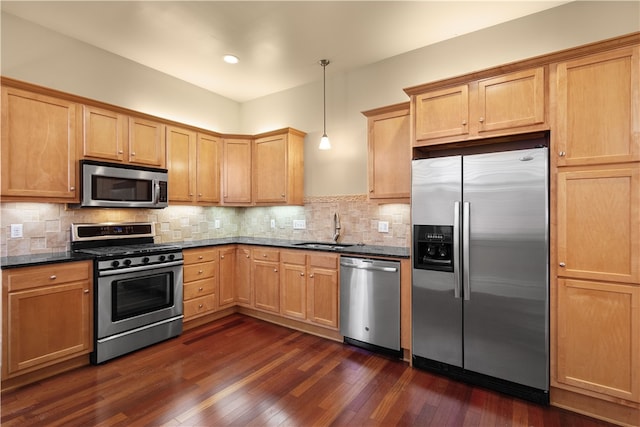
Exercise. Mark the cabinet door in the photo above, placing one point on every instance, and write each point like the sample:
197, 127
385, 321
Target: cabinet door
237, 172
181, 163
208, 157
293, 285
227, 274
598, 108
39, 136
266, 285
442, 113
243, 289
511, 101
104, 132
146, 143
598, 342
389, 155
598, 231
46, 325
270, 169
323, 296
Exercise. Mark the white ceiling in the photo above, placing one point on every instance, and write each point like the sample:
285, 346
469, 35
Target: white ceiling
279, 43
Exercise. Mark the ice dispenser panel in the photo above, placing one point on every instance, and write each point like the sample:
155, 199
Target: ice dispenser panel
433, 247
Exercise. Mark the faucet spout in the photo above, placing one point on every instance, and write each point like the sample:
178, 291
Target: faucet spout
336, 227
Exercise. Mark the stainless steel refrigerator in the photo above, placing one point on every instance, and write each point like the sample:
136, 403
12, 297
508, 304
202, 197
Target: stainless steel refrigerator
480, 291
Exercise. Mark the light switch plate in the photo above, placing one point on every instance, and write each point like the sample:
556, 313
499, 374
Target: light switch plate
216, 223
273, 223
16, 231
299, 224
383, 226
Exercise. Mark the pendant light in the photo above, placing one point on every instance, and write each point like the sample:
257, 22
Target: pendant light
324, 141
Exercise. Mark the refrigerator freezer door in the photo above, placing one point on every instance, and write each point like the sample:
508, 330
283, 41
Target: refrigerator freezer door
506, 311
436, 312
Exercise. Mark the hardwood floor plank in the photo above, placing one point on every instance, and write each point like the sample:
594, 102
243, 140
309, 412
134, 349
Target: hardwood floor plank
241, 371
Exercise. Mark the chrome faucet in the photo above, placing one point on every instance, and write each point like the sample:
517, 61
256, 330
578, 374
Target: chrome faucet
336, 227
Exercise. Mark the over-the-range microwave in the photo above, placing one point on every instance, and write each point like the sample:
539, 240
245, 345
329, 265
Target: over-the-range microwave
110, 185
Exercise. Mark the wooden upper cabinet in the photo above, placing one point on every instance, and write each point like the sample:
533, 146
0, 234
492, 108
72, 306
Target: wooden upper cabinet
181, 158
597, 108
278, 168
39, 137
208, 159
442, 113
598, 226
146, 143
505, 104
511, 101
104, 134
236, 171
389, 144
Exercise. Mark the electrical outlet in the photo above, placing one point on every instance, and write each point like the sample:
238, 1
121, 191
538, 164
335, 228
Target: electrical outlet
16, 231
383, 226
273, 223
216, 223
299, 224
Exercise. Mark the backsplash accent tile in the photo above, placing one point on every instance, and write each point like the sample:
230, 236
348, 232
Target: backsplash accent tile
46, 226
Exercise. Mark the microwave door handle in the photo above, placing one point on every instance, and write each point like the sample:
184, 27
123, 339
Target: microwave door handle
156, 196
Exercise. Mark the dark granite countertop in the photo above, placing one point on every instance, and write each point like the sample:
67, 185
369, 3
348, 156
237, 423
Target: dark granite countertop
354, 249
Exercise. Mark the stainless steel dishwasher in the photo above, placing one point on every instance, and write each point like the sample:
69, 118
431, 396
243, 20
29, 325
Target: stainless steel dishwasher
370, 303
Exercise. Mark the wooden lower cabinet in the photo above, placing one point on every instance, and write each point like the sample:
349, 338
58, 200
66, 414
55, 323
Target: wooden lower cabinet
293, 285
227, 271
200, 282
243, 294
265, 278
47, 316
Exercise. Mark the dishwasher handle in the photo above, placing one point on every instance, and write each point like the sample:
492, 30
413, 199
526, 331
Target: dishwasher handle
369, 267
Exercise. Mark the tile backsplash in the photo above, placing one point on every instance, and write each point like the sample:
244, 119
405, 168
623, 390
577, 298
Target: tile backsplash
46, 226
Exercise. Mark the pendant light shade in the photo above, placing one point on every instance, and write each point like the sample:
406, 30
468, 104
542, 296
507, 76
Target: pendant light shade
324, 141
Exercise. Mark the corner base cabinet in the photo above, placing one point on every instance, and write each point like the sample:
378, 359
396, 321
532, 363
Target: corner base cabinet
46, 316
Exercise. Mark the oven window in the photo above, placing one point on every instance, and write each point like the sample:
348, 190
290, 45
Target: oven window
140, 295
121, 189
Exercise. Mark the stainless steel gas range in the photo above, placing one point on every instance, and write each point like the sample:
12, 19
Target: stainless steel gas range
138, 286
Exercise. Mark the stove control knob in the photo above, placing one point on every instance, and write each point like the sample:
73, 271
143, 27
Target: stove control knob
115, 264
145, 260
172, 257
162, 257
127, 262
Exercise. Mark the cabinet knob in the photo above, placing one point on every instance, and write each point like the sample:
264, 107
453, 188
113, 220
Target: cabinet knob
72, 188
302, 274
282, 195
199, 271
86, 291
275, 270
120, 151
200, 256
562, 154
562, 264
481, 120
53, 277
199, 194
190, 194
311, 276
200, 288
371, 191
264, 255
221, 256
199, 305
133, 154
464, 122
247, 256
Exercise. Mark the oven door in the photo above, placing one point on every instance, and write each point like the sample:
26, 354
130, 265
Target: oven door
135, 297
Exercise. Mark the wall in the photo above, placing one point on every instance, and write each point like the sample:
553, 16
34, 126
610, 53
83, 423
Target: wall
46, 226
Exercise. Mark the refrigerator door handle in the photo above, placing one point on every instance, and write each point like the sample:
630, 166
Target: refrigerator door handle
466, 212
456, 249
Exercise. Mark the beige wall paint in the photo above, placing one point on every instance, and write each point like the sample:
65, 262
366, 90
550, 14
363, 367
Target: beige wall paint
34, 54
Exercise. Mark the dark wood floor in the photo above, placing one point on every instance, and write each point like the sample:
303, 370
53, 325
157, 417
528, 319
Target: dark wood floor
245, 372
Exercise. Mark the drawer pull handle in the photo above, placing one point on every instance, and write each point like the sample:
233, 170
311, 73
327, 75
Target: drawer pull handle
200, 306
302, 274
275, 270
264, 255
200, 288
200, 257
199, 271
53, 277
86, 291
562, 264
311, 276
221, 256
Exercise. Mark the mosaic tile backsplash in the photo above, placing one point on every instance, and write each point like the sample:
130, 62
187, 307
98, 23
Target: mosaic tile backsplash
46, 226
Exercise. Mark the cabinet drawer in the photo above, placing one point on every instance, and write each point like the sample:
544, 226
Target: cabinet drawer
47, 275
199, 288
324, 261
266, 254
199, 271
199, 305
297, 257
192, 256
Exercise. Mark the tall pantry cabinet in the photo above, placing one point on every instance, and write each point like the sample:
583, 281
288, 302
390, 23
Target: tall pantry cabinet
595, 366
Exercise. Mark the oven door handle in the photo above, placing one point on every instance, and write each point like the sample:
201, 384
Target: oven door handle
147, 267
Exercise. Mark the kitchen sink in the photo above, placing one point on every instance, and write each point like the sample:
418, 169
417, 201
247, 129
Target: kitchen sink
323, 245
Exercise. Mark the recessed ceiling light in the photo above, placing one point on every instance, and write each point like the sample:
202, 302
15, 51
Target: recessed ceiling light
230, 59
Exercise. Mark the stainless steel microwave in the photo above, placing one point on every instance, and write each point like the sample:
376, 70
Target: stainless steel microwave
110, 185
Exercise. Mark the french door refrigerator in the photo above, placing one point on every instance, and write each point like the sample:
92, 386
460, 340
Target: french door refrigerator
480, 284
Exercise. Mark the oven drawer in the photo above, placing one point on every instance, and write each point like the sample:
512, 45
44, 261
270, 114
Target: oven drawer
199, 305
192, 256
199, 288
51, 274
199, 271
